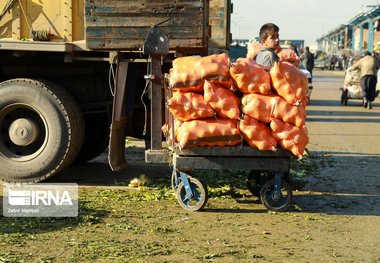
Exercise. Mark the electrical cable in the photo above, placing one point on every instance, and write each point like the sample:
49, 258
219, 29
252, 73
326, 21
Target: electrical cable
111, 74
145, 91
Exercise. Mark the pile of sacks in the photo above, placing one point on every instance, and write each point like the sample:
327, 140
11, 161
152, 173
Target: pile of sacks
218, 103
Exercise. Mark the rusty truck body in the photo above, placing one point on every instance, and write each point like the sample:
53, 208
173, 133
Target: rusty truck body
72, 75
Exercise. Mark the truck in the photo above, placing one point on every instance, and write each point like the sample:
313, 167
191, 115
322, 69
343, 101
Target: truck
76, 76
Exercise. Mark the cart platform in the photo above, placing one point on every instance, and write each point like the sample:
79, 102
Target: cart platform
266, 180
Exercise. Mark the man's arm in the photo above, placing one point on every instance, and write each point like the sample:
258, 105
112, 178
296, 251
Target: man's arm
356, 65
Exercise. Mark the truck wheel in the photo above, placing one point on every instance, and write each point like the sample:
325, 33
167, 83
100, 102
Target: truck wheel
41, 130
96, 137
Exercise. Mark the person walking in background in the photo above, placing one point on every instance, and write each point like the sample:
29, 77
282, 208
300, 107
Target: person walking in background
270, 42
345, 61
333, 61
308, 59
368, 66
340, 62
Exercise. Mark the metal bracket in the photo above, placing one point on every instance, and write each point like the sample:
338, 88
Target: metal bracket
277, 187
186, 183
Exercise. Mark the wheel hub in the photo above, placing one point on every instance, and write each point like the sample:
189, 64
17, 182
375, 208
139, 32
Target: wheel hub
23, 132
276, 196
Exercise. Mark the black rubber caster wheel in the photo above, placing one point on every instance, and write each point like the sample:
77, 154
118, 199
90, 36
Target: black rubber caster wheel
279, 203
256, 180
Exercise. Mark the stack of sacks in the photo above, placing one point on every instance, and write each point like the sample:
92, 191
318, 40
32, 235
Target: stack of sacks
203, 102
250, 78
266, 107
209, 96
289, 82
285, 104
186, 106
291, 137
257, 134
189, 73
289, 55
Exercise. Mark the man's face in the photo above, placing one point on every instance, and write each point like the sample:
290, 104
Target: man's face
272, 41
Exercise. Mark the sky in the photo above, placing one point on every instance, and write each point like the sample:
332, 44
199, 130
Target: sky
297, 19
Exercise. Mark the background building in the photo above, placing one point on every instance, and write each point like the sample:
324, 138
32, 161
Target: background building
360, 34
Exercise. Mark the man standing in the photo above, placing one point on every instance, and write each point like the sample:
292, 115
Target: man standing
368, 66
308, 60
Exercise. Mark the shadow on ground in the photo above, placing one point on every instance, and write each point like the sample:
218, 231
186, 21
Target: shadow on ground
331, 190
345, 183
98, 173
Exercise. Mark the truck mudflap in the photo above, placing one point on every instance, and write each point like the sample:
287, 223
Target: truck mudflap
116, 156
156, 45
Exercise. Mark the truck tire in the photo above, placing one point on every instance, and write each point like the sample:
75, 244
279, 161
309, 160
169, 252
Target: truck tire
96, 137
41, 130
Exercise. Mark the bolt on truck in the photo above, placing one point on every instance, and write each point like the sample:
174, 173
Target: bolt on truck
72, 75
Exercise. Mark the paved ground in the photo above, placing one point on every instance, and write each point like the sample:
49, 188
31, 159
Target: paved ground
335, 218
346, 139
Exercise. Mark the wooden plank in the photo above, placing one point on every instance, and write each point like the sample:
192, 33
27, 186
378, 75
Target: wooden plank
136, 44
106, 11
233, 151
267, 164
142, 2
36, 46
141, 32
78, 20
220, 23
67, 20
122, 24
146, 7
144, 21
16, 22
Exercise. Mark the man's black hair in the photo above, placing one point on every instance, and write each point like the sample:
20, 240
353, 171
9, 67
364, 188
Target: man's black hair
266, 28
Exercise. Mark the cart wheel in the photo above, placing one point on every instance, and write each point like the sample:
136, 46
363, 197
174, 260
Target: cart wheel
199, 198
280, 204
256, 180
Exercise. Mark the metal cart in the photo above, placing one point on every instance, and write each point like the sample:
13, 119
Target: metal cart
351, 87
266, 179
269, 168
